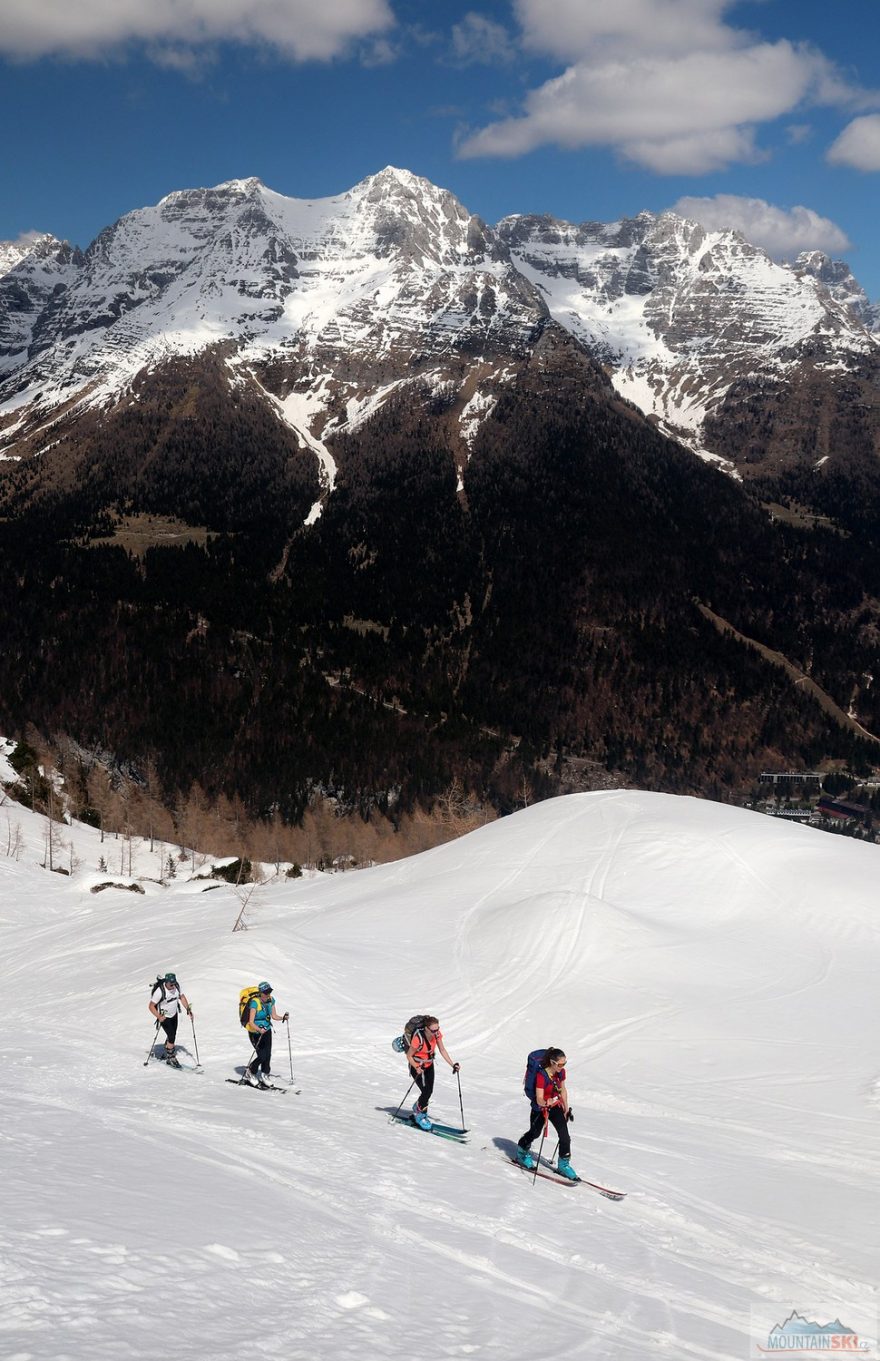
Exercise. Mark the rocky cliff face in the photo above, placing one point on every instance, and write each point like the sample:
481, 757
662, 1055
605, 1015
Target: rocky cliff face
35, 275
840, 282
682, 316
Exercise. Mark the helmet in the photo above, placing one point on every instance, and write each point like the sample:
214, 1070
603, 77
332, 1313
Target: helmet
170, 978
264, 987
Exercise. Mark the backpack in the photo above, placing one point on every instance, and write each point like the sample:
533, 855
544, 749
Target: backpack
245, 997
403, 1042
533, 1063
160, 984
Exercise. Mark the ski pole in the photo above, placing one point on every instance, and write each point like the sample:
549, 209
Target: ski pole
195, 1041
405, 1095
541, 1149
152, 1043
460, 1102
289, 1049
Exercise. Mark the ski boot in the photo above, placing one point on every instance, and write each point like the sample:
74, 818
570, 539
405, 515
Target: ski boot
171, 1058
525, 1159
421, 1117
565, 1169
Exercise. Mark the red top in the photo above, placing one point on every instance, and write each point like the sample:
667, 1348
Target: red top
549, 1085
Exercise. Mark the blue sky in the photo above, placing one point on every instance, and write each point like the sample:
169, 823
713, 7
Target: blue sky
760, 115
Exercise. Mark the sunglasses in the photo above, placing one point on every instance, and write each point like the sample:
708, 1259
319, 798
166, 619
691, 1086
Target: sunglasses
433, 1030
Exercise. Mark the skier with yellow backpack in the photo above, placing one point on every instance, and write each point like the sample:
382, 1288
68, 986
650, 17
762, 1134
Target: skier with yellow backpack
256, 1011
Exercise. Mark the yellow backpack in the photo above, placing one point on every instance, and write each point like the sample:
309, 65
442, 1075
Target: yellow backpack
245, 997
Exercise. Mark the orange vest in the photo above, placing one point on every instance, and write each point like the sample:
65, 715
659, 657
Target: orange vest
423, 1046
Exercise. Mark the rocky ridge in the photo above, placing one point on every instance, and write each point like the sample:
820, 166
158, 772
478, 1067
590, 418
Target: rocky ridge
681, 315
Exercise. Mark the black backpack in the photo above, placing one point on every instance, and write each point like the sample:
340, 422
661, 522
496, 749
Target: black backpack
413, 1024
160, 984
403, 1042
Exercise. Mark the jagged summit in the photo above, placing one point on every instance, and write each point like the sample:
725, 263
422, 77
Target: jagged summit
840, 282
35, 272
32, 245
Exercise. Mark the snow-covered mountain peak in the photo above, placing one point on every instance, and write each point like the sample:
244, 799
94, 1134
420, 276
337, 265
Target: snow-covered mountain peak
32, 246
387, 279
392, 281
680, 313
840, 282
217, 195
35, 272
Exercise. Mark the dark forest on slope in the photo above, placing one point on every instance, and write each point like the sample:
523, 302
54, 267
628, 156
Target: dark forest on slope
415, 636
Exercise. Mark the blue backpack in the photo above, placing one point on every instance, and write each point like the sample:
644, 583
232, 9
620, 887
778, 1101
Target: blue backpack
533, 1063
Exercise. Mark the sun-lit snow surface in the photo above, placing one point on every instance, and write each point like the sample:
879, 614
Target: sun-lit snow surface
711, 974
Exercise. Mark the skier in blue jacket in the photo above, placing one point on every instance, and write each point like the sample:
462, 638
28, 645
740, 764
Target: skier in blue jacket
261, 1014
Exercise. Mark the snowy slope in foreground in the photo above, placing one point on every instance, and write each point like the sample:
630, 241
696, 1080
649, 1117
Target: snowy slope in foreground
711, 974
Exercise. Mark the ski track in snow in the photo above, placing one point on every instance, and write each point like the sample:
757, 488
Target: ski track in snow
711, 1000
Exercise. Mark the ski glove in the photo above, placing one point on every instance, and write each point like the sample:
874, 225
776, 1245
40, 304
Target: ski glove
570, 1115
455, 1067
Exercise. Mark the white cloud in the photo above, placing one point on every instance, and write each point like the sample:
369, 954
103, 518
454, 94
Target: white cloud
574, 29
666, 83
782, 232
858, 145
478, 40
695, 153
299, 29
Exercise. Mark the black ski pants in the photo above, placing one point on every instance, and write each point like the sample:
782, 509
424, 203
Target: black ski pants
262, 1052
559, 1123
169, 1025
424, 1080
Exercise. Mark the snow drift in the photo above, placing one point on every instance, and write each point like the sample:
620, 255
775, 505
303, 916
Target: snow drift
711, 974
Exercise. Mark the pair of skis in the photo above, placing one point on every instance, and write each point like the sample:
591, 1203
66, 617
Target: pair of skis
180, 1067
261, 1086
458, 1136
236, 1081
550, 1174
546, 1171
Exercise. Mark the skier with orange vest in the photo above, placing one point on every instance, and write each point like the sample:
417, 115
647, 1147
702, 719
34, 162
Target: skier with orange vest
423, 1042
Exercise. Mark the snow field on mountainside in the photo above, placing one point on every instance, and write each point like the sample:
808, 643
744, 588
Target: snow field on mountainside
711, 974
